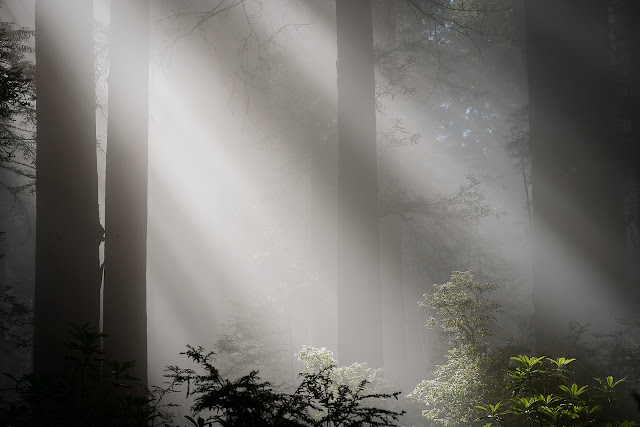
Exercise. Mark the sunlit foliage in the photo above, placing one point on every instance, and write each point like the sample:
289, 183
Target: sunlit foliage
486, 385
463, 309
543, 392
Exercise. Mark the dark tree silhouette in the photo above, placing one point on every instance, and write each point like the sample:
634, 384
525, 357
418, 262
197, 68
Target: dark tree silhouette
578, 213
67, 283
125, 314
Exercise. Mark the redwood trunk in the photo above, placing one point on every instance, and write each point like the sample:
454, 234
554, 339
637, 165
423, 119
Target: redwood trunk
359, 313
125, 310
67, 284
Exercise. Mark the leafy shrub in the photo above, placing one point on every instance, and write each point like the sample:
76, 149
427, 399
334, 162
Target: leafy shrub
534, 391
544, 394
318, 359
469, 375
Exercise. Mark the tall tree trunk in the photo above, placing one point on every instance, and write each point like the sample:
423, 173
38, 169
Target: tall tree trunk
67, 287
359, 314
324, 154
393, 314
632, 15
124, 299
576, 195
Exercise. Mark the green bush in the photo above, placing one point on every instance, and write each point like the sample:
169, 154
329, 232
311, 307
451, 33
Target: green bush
528, 391
543, 393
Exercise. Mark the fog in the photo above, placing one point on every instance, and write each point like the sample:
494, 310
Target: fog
245, 227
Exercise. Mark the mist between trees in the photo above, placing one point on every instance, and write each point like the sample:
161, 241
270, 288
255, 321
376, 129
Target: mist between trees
283, 182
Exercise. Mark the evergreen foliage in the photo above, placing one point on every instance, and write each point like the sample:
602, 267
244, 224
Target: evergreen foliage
247, 400
17, 106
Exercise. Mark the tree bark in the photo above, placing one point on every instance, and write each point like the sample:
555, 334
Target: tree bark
359, 294
578, 222
632, 15
124, 299
67, 284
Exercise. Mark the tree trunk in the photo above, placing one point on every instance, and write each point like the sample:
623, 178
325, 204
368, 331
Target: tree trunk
632, 15
324, 177
67, 287
359, 314
125, 312
579, 230
393, 314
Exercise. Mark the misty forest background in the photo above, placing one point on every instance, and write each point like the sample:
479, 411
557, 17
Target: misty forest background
258, 176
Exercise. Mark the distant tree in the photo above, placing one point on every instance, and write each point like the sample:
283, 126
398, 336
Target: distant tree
359, 329
519, 149
67, 283
125, 312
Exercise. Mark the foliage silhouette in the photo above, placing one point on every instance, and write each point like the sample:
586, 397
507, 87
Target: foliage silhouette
91, 391
17, 108
99, 392
247, 400
15, 315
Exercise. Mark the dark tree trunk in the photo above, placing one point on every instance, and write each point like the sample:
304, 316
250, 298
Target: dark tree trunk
359, 314
632, 15
67, 287
125, 311
579, 229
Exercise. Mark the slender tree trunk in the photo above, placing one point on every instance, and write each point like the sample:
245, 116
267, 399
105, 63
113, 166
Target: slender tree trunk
67, 287
359, 314
393, 314
125, 312
324, 154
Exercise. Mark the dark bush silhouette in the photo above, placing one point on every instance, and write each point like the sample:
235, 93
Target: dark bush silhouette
94, 391
317, 401
89, 391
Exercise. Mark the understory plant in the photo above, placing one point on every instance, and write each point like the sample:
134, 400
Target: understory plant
543, 393
470, 375
91, 390
249, 401
318, 359
95, 391
485, 385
